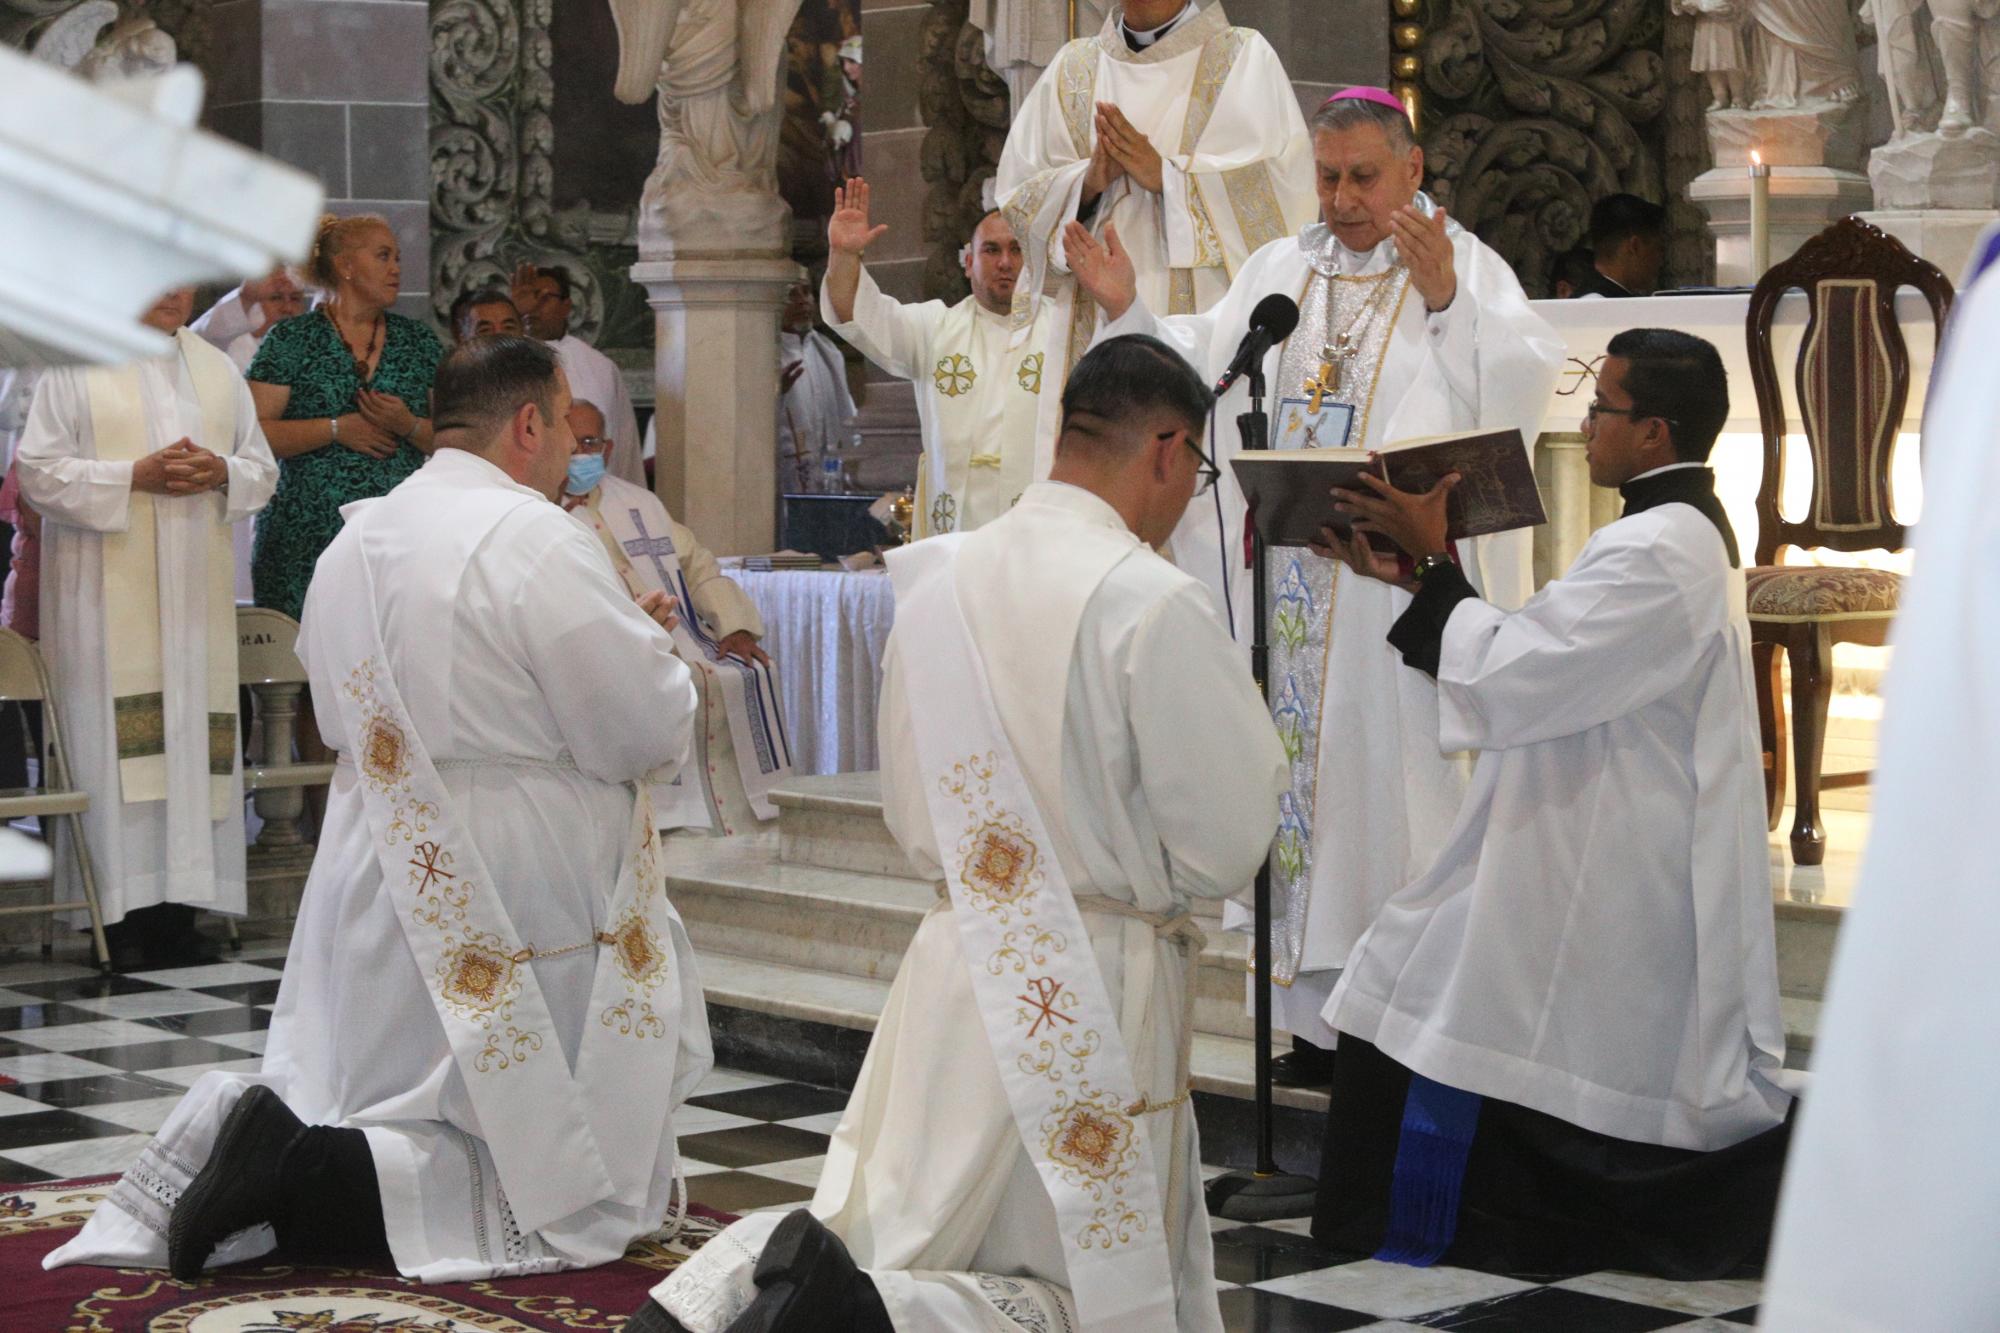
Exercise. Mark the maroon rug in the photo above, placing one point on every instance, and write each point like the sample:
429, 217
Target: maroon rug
283, 1298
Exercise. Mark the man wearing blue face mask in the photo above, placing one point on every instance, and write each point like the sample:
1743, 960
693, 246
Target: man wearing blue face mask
741, 750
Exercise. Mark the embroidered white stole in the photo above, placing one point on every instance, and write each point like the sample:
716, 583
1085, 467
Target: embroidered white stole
1050, 1022
153, 756
560, 1140
749, 692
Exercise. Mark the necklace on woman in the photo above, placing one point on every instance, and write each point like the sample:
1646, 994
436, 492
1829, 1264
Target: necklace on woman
361, 359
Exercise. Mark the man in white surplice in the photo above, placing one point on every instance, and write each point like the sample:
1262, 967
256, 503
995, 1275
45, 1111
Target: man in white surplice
1173, 126
1114, 711
489, 1010
1560, 1046
546, 302
977, 396
138, 473
740, 750
815, 405
1408, 326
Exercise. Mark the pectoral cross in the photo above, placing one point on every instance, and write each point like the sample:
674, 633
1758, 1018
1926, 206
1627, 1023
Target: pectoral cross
1327, 381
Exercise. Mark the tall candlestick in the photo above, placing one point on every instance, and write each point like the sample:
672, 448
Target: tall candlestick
1760, 215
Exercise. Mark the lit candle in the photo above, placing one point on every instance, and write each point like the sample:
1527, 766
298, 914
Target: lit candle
1760, 215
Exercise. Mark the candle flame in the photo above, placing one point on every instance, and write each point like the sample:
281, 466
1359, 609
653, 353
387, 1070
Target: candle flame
1756, 157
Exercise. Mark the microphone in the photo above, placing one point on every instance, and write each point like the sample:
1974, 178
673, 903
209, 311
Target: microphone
1271, 322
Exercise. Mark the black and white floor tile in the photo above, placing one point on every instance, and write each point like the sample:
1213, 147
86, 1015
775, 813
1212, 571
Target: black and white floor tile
97, 1062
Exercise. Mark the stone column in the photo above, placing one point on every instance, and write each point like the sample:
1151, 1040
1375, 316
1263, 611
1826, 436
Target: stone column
715, 384
1563, 473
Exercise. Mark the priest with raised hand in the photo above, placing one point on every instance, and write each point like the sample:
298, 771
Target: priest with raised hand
490, 1010
978, 392
1072, 745
139, 473
1175, 128
1560, 1046
740, 750
1408, 326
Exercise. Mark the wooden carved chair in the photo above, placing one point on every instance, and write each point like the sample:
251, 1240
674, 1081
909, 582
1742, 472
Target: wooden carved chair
1853, 378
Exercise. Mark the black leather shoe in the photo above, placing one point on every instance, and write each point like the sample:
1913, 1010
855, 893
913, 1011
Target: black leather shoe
650, 1318
238, 1186
810, 1284
1302, 1070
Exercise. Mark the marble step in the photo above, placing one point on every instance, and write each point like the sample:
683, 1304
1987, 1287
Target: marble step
1220, 1064
739, 897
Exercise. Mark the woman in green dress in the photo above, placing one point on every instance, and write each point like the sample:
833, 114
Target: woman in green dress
343, 393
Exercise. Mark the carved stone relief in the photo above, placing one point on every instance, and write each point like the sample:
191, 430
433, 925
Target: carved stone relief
1533, 109
964, 104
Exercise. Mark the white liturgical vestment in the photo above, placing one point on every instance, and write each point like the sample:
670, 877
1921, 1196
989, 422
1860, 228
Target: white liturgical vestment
1357, 725
1595, 941
1154, 768
594, 378
1892, 1194
1236, 174
977, 399
527, 678
654, 553
178, 840
815, 415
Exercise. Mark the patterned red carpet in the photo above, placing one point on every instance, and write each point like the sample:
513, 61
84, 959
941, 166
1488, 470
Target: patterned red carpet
280, 1298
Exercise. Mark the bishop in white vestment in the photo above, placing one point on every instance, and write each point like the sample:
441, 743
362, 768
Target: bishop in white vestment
1073, 745
490, 1009
1408, 326
1892, 1196
1560, 1047
138, 471
1176, 128
740, 750
977, 392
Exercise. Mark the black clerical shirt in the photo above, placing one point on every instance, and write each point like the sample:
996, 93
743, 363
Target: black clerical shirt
1418, 633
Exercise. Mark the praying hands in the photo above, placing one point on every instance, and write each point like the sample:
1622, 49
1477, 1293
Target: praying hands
1132, 152
182, 468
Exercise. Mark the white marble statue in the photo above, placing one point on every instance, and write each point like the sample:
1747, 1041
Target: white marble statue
716, 66
1718, 49
1023, 36
1955, 57
1804, 53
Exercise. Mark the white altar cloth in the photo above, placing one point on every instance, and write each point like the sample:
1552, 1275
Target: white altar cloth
826, 630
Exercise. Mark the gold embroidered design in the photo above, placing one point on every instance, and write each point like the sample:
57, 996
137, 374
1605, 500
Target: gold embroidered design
954, 375
1218, 57
429, 866
944, 513
1000, 863
222, 739
1049, 996
1255, 203
1076, 74
477, 978
638, 950
1091, 1141
383, 756
141, 721
1029, 376
1208, 251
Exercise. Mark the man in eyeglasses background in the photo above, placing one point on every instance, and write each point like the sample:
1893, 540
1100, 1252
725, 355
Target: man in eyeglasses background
740, 749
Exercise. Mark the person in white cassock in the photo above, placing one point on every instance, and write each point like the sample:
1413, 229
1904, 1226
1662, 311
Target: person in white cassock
1071, 742
1560, 1046
544, 298
138, 471
1408, 326
1177, 129
1892, 1196
490, 1011
815, 405
977, 394
740, 751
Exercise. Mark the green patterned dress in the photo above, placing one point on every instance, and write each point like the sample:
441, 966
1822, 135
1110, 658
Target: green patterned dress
306, 355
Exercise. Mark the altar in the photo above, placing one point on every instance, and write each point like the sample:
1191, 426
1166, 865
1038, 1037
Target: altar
827, 631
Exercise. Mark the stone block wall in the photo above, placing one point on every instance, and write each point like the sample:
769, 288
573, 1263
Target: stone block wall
339, 88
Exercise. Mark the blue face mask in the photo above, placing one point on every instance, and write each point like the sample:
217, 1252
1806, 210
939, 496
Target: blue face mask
585, 471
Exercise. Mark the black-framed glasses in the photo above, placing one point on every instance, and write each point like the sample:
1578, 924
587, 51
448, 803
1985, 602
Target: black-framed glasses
1599, 408
1209, 473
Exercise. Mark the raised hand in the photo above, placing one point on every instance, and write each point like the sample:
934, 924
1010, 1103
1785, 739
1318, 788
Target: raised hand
1132, 150
1426, 249
847, 231
1103, 269
521, 286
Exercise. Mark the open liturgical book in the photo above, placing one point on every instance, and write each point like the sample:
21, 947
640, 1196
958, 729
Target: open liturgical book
1290, 490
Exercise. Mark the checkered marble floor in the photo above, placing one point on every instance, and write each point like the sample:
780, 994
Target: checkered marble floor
96, 1063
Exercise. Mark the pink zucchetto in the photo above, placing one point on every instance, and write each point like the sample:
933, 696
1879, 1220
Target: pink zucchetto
1362, 93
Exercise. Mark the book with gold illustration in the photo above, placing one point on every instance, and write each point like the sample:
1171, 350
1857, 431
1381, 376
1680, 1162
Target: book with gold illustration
1289, 490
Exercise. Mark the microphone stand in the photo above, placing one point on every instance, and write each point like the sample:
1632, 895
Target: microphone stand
1264, 1194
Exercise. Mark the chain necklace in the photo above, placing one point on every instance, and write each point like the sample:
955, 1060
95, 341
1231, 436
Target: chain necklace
361, 359
1344, 346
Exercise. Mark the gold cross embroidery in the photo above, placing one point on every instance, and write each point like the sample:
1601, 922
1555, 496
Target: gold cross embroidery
1327, 381
1043, 1002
